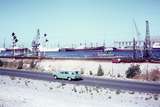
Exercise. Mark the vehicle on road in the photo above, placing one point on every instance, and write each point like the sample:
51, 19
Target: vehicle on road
69, 75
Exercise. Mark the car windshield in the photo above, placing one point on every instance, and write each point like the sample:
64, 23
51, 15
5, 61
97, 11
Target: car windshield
66, 72
74, 72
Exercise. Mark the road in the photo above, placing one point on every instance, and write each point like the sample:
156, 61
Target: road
88, 81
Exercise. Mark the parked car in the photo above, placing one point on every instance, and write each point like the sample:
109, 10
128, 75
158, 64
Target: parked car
69, 75
116, 60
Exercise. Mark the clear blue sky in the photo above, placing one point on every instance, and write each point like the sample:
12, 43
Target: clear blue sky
77, 21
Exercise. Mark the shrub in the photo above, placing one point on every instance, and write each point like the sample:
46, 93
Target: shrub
20, 65
118, 92
1, 63
155, 75
109, 97
90, 73
32, 64
74, 89
12, 77
132, 71
50, 88
82, 71
118, 75
26, 83
63, 84
131, 92
155, 97
100, 71
5, 63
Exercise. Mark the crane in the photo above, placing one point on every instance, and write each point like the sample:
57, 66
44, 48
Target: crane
138, 38
36, 44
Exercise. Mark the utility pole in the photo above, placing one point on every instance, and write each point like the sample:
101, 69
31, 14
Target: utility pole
91, 45
147, 73
104, 44
85, 44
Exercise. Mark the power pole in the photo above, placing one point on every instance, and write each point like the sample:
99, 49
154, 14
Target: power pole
85, 44
104, 44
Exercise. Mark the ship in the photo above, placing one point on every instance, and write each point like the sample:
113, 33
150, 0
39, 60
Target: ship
2, 49
44, 49
156, 46
16, 51
121, 49
96, 49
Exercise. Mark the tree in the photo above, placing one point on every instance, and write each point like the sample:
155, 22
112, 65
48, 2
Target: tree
132, 71
100, 71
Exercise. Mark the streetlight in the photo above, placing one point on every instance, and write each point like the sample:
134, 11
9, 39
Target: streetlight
45, 41
14, 41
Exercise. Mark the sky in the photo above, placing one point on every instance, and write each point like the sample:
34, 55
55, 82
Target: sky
68, 22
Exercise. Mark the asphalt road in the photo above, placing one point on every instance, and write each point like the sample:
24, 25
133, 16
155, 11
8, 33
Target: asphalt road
88, 81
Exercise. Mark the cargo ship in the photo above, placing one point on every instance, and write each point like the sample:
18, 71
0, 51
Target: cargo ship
96, 49
156, 46
16, 51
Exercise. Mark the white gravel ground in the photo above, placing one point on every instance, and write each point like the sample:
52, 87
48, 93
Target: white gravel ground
20, 92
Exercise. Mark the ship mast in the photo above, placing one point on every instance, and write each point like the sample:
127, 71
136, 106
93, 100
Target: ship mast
4, 43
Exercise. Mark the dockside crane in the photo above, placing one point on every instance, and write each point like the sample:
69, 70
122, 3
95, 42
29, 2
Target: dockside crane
36, 44
138, 41
137, 31
147, 43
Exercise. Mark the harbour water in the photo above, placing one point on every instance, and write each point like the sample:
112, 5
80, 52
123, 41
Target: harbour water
84, 54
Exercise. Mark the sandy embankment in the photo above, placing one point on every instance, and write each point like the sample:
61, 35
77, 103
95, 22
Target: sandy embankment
111, 70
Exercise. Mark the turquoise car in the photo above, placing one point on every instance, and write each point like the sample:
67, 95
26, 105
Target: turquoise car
69, 75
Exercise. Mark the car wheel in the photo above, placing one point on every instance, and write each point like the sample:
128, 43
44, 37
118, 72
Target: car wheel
69, 78
55, 77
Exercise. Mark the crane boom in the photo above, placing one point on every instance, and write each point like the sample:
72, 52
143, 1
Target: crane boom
137, 31
138, 38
